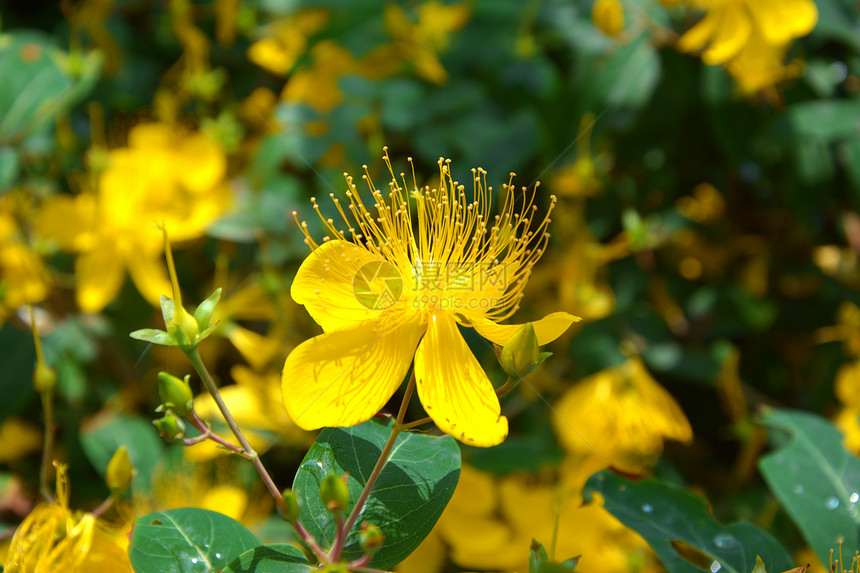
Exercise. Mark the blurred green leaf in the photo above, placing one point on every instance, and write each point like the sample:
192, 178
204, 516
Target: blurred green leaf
418, 481
277, 558
190, 540
9, 160
669, 517
826, 120
539, 561
17, 362
628, 79
816, 479
40, 81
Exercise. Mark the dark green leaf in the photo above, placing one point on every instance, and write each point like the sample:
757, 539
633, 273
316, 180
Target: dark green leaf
17, 362
413, 488
669, 517
278, 558
187, 540
816, 480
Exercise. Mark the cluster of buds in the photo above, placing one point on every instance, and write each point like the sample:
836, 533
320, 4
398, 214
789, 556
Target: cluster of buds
177, 401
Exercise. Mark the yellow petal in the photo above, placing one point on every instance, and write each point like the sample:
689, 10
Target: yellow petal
324, 284
345, 377
729, 38
100, 274
780, 21
149, 276
699, 35
547, 329
68, 220
454, 389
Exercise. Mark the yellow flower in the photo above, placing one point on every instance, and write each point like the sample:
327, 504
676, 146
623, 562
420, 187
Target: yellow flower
729, 25
23, 277
490, 523
18, 438
421, 42
847, 389
165, 176
318, 85
623, 414
54, 538
286, 41
384, 291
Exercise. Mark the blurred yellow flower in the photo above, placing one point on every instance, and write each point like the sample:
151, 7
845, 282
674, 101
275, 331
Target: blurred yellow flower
167, 175
490, 523
623, 414
286, 41
760, 66
18, 438
256, 405
54, 538
729, 26
385, 291
23, 277
847, 390
420, 43
318, 85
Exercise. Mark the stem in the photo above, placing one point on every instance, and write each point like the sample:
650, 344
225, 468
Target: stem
104, 506
47, 395
209, 435
310, 541
194, 357
417, 423
507, 387
374, 475
48, 447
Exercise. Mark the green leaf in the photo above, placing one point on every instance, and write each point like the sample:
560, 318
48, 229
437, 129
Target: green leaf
10, 159
203, 313
410, 494
17, 362
190, 540
152, 335
828, 120
40, 81
102, 435
630, 77
816, 480
277, 558
669, 517
539, 561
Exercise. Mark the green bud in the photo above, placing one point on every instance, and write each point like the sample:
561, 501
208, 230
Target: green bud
521, 355
371, 538
170, 427
44, 377
334, 493
120, 472
290, 511
181, 326
175, 394
203, 313
335, 568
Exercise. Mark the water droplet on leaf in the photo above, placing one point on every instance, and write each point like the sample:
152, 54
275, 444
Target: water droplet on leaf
715, 566
647, 507
831, 503
725, 541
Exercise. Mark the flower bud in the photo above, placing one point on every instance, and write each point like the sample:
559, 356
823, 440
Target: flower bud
371, 538
175, 394
334, 493
335, 568
44, 377
170, 427
290, 510
520, 355
120, 472
608, 16
181, 326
